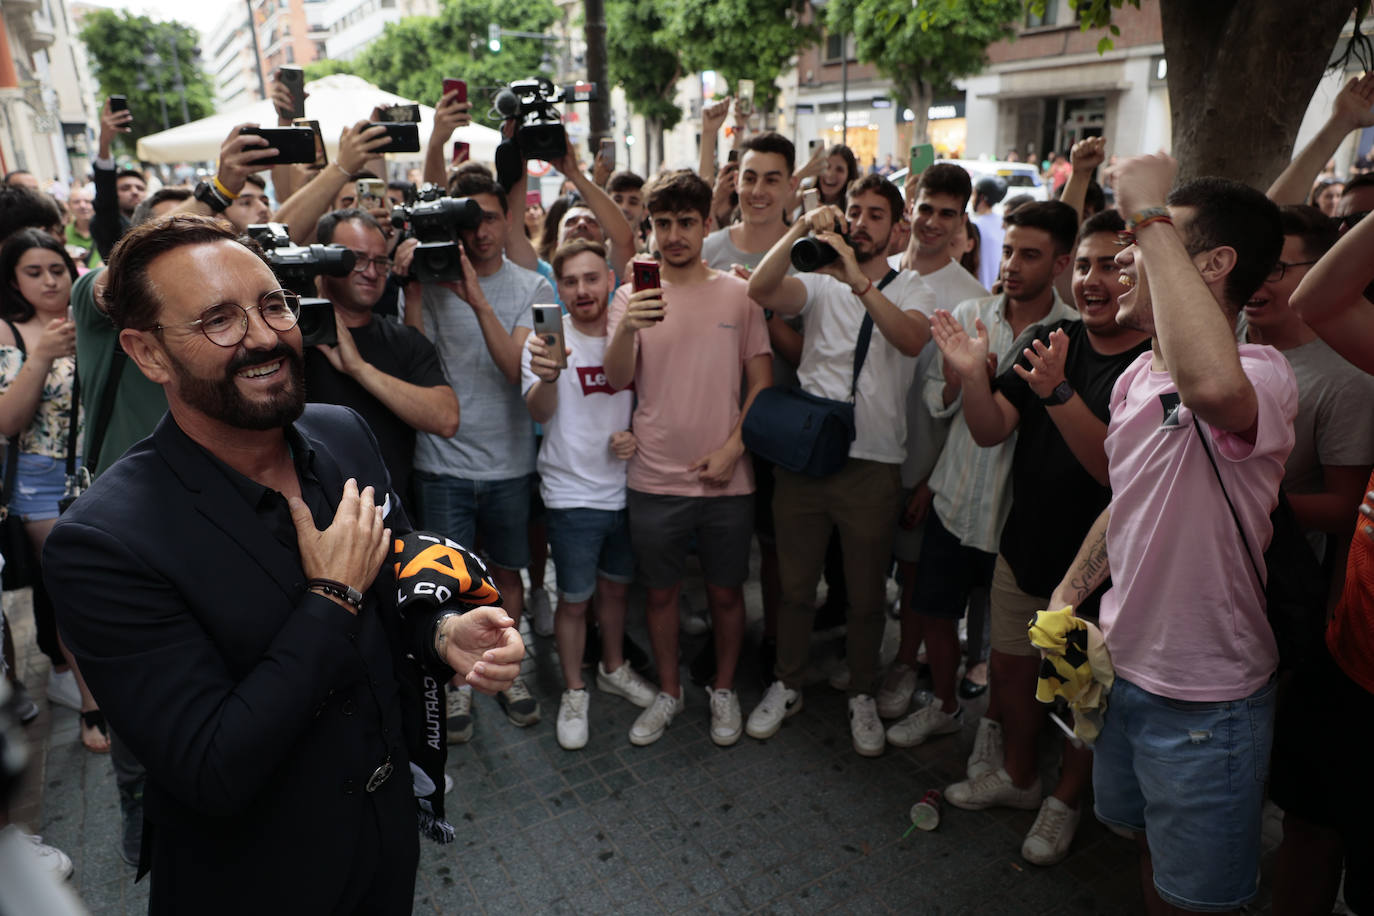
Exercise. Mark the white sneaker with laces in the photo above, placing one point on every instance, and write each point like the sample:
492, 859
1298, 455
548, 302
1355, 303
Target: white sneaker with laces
541, 611
654, 721
625, 682
1052, 833
726, 726
865, 727
693, 623
839, 678
987, 749
777, 704
894, 694
572, 719
42, 856
924, 723
62, 689
993, 790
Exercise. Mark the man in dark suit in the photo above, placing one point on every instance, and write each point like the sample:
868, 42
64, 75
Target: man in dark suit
222, 584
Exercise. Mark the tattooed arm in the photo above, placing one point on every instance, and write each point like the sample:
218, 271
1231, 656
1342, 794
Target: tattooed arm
1089, 569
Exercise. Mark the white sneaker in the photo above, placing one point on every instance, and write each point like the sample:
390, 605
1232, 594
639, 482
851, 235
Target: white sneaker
572, 720
894, 694
47, 858
693, 623
541, 611
62, 689
1052, 833
726, 726
993, 790
448, 783
865, 727
652, 722
839, 678
777, 704
924, 723
625, 682
987, 749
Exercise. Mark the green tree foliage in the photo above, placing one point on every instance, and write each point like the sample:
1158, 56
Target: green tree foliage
119, 42
741, 39
924, 47
643, 60
412, 57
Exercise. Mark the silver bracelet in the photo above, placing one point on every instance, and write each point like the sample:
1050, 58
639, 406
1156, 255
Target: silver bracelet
439, 632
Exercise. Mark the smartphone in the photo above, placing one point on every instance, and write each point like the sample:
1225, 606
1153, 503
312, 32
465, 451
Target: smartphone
401, 114
321, 157
608, 151
922, 157
732, 156
814, 146
405, 138
533, 199
462, 152
373, 188
459, 86
293, 78
645, 275
293, 144
548, 325
811, 199
119, 103
746, 92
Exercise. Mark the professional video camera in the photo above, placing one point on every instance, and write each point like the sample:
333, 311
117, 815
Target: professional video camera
436, 220
540, 134
296, 267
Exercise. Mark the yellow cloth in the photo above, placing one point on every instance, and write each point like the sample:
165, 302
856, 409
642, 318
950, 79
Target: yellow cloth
1075, 665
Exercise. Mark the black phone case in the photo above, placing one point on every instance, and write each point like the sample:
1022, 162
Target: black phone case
293, 144
405, 137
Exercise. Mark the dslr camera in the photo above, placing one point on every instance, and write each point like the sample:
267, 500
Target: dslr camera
811, 254
436, 220
296, 267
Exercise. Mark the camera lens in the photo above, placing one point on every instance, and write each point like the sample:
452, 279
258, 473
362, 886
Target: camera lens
810, 254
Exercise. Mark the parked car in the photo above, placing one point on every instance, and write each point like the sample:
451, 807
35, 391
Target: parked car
1021, 177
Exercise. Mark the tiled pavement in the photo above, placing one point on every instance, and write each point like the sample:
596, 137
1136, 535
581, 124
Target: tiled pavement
799, 824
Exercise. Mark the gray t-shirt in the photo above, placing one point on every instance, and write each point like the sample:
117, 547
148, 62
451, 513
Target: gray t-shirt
719, 252
495, 439
1334, 399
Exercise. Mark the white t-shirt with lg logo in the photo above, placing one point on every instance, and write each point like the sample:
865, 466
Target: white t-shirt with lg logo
576, 465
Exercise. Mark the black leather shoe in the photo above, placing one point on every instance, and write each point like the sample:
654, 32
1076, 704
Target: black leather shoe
969, 690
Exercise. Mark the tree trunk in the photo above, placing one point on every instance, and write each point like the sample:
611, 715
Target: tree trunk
1241, 75
918, 96
599, 111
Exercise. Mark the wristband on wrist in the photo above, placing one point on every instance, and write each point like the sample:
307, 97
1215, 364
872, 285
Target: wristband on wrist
439, 632
207, 194
337, 590
346, 173
219, 186
1147, 216
864, 292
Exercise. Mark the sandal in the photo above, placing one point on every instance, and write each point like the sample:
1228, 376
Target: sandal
93, 720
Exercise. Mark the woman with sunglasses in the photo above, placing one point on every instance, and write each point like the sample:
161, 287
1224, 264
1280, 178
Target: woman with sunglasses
37, 375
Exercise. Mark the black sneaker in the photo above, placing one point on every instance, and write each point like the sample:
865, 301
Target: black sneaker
521, 707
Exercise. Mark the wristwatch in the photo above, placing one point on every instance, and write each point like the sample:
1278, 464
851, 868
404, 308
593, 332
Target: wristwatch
337, 590
212, 198
1060, 395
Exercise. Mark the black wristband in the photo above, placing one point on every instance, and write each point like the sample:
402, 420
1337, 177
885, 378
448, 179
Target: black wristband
1060, 395
337, 590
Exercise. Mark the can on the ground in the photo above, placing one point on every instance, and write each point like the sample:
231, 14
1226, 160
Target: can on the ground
925, 814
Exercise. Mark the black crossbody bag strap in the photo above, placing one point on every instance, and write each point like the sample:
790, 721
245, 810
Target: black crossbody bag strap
866, 337
1235, 516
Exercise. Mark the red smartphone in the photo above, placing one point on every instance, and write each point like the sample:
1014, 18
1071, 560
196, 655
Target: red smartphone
646, 275
461, 87
462, 152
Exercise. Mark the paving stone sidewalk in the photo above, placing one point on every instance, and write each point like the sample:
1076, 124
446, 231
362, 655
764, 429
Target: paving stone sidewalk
797, 824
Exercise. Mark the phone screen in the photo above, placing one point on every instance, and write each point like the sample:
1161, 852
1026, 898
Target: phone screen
607, 152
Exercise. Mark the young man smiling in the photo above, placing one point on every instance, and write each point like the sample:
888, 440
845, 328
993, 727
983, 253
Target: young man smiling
685, 347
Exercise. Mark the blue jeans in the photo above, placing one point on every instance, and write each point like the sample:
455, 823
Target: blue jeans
1190, 776
587, 543
498, 510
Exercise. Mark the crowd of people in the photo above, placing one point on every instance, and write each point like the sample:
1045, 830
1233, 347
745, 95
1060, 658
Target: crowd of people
1055, 404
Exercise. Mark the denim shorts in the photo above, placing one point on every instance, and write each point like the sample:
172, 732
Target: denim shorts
587, 543
1191, 777
39, 482
498, 510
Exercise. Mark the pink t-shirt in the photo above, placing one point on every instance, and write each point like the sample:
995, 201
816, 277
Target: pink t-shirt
1185, 617
688, 373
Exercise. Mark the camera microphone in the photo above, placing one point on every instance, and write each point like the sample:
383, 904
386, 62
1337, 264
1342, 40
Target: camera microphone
506, 103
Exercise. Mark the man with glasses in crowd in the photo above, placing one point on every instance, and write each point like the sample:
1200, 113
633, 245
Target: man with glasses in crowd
386, 371
228, 574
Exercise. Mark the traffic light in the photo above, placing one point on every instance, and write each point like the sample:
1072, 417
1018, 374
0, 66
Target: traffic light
494, 38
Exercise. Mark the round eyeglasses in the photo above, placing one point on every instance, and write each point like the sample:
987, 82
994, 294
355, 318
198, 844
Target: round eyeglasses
226, 324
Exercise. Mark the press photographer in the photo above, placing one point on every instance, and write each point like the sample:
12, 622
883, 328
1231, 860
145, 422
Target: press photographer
387, 372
